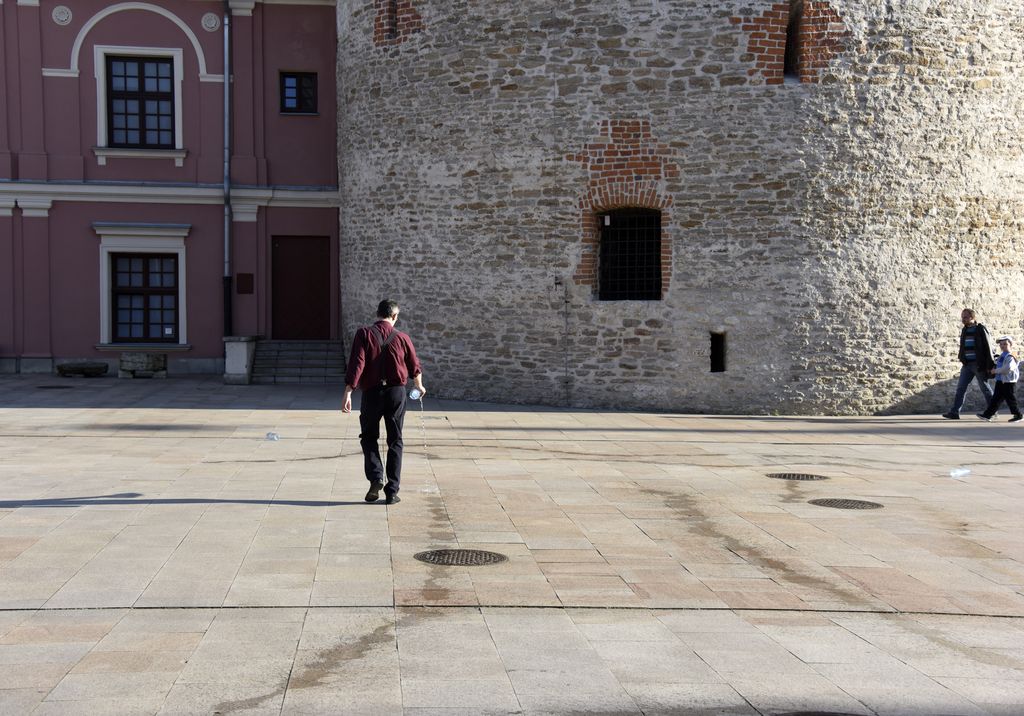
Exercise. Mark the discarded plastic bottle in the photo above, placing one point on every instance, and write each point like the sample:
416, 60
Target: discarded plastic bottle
957, 472
415, 394
273, 436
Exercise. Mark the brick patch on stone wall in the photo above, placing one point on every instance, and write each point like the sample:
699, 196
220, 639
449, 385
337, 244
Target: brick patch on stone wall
395, 22
820, 37
626, 167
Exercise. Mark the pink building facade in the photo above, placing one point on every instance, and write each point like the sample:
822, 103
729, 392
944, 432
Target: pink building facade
118, 231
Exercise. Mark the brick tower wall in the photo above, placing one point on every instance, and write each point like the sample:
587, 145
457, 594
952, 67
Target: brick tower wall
831, 224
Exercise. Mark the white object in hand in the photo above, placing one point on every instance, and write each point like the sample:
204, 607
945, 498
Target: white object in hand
415, 394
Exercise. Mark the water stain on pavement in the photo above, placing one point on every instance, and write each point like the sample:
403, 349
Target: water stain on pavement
701, 524
329, 661
326, 662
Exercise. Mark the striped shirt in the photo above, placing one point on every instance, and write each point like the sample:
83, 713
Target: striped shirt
970, 342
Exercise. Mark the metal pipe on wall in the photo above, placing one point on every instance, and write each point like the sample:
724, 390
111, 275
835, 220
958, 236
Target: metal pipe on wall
228, 318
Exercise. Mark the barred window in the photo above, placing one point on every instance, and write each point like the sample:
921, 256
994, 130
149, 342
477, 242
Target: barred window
298, 92
144, 297
140, 102
629, 262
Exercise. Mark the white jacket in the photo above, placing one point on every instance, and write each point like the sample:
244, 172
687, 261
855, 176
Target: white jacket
1007, 368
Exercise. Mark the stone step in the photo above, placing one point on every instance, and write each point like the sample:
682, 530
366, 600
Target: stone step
296, 379
326, 362
321, 362
332, 346
296, 370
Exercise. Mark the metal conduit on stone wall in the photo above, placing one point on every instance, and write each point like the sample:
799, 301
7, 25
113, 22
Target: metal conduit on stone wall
832, 225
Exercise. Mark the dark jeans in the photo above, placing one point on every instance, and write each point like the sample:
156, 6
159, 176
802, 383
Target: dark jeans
387, 403
1004, 391
969, 372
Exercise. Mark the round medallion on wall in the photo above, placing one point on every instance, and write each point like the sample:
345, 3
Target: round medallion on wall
211, 22
61, 15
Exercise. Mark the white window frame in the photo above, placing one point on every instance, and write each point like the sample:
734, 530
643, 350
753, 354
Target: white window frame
141, 239
102, 149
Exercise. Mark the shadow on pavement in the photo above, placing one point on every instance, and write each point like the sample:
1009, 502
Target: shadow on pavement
129, 498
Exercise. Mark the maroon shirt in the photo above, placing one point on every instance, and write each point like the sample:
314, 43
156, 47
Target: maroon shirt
365, 371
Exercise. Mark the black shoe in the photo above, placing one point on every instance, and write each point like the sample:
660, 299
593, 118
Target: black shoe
951, 416
392, 499
374, 492
984, 417
1016, 419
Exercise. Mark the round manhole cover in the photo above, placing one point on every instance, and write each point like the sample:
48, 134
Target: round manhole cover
795, 476
842, 504
460, 557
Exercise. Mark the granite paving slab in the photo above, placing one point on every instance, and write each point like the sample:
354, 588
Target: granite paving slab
158, 555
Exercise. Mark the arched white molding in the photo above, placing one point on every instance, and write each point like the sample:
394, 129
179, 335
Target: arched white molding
76, 48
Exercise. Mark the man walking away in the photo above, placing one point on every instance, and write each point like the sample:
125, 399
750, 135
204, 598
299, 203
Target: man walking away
976, 361
381, 362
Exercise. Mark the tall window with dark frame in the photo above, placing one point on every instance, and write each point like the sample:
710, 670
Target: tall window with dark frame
629, 261
140, 102
144, 298
298, 93
791, 61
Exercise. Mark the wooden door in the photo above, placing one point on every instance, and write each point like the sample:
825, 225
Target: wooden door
301, 288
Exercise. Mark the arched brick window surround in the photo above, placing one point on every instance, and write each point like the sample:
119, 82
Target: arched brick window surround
627, 167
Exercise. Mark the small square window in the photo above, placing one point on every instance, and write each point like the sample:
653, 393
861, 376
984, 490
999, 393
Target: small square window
298, 93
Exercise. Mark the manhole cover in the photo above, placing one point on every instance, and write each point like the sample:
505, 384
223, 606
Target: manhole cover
54, 387
795, 476
841, 504
460, 557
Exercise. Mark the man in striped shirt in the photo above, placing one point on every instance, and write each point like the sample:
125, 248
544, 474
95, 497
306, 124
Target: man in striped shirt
976, 361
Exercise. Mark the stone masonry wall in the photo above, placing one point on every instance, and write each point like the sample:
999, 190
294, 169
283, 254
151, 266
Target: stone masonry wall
831, 227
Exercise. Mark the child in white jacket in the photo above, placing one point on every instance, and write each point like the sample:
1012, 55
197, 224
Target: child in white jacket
1007, 373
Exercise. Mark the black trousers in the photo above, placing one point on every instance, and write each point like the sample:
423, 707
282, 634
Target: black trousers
387, 403
1003, 391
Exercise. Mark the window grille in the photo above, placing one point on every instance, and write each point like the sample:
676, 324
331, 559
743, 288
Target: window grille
298, 93
629, 262
145, 297
140, 102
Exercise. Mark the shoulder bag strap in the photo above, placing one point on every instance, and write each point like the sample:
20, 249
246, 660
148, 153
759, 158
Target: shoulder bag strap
383, 342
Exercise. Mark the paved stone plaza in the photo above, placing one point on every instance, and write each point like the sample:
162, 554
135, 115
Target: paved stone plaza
158, 554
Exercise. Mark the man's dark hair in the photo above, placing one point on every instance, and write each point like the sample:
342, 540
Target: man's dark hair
387, 308
970, 312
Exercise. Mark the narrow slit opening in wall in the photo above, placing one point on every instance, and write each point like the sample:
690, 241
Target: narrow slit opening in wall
392, 17
791, 61
717, 352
